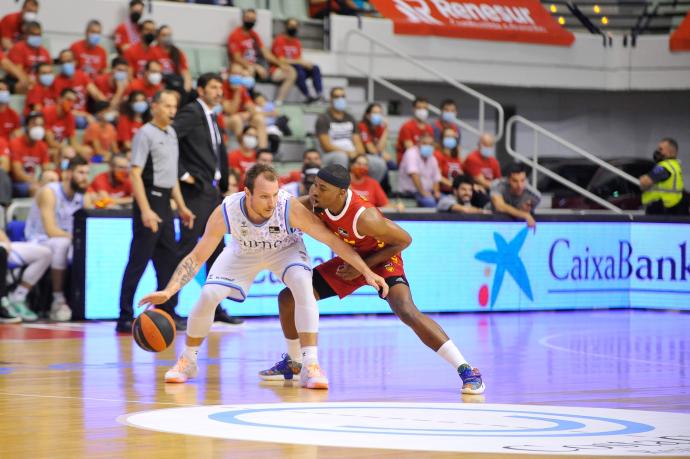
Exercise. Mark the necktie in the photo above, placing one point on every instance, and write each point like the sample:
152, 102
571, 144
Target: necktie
216, 145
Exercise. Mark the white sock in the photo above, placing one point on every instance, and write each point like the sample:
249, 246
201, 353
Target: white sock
190, 352
294, 350
19, 293
310, 354
59, 298
451, 354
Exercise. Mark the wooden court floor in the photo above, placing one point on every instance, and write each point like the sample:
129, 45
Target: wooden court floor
63, 387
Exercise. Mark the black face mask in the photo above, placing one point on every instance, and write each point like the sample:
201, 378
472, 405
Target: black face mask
292, 32
134, 17
148, 38
248, 25
657, 156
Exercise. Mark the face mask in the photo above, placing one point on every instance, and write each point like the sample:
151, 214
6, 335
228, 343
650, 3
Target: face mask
109, 117
658, 156
426, 150
340, 104
4, 97
121, 176
34, 40
140, 106
450, 142
155, 78
248, 25
37, 133
248, 82
422, 114
250, 142
67, 105
292, 32
68, 69
64, 164
29, 16
448, 117
94, 38
487, 152
166, 41
120, 75
376, 119
217, 109
134, 16
148, 38
46, 79
235, 80
360, 171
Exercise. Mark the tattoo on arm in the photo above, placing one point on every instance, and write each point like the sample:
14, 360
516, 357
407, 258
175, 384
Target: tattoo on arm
185, 271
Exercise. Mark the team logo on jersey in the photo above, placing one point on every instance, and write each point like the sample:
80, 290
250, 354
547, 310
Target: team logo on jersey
243, 229
274, 229
343, 233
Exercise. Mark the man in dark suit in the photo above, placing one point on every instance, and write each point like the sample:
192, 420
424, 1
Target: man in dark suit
203, 169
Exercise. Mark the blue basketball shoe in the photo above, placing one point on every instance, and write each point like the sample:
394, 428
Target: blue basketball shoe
283, 369
471, 380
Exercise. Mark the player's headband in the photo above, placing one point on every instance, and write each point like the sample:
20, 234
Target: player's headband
340, 182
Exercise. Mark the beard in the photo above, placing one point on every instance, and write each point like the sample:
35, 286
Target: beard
76, 187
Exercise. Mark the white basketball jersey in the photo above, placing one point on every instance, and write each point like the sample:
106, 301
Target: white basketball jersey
272, 235
64, 211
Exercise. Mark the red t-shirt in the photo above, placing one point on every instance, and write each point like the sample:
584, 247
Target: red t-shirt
140, 84
287, 47
247, 43
167, 62
245, 99
450, 168
137, 56
63, 128
475, 164
370, 135
27, 57
9, 121
29, 155
11, 26
4, 148
78, 82
126, 33
293, 176
102, 183
241, 163
90, 60
315, 8
410, 130
371, 190
103, 83
39, 96
126, 128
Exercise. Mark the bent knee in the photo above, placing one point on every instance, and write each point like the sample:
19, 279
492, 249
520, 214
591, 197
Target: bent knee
286, 300
407, 313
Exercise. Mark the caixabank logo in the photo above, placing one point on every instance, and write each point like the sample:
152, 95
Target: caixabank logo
506, 259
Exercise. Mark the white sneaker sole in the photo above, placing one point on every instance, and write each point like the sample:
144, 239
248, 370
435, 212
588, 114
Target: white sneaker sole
475, 391
315, 383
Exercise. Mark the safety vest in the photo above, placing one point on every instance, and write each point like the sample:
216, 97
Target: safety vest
670, 191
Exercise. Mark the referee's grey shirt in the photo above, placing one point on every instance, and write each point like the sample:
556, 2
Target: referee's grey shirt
156, 151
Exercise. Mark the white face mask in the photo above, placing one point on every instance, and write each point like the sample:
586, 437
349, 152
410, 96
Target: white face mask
155, 78
250, 142
422, 114
37, 133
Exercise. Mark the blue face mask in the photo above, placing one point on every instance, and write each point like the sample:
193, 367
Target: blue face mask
448, 117
46, 79
120, 75
4, 97
248, 82
487, 152
64, 164
68, 69
140, 106
217, 109
340, 104
450, 142
34, 40
426, 150
376, 119
93, 38
235, 80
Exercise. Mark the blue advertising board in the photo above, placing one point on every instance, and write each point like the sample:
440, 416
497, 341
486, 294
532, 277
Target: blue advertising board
460, 266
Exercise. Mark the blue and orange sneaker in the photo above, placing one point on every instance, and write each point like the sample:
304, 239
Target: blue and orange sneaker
471, 380
284, 369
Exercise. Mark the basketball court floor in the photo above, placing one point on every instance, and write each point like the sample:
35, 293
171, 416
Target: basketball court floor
559, 384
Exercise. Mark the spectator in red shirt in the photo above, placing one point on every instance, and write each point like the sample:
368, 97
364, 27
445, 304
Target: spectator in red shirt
310, 159
287, 48
4, 155
28, 53
448, 158
243, 158
113, 187
113, 84
244, 47
448, 120
127, 33
16, 78
139, 54
61, 126
150, 82
91, 58
134, 112
374, 133
27, 153
42, 91
482, 164
319, 9
101, 135
78, 81
364, 185
10, 123
173, 60
11, 24
412, 130
239, 108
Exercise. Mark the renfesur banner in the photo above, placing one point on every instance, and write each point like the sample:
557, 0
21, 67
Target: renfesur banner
680, 38
504, 20
460, 266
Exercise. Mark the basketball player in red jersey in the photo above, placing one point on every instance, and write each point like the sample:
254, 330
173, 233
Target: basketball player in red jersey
379, 241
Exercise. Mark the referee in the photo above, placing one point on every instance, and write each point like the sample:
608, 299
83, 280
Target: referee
154, 182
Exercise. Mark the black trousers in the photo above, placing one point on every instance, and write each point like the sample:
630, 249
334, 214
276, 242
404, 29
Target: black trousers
147, 245
657, 208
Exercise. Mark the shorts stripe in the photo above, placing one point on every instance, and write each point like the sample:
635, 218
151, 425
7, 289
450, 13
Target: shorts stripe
231, 285
282, 277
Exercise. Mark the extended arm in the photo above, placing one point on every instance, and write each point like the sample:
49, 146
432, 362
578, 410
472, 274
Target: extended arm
395, 239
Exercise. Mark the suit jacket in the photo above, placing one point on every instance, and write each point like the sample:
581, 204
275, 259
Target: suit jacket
196, 148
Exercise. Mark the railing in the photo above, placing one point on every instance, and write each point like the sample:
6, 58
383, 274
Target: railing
371, 78
536, 167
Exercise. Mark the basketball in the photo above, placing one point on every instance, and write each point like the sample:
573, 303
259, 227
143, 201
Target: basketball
154, 330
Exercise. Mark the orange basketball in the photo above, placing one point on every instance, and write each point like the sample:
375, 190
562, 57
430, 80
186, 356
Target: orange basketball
154, 330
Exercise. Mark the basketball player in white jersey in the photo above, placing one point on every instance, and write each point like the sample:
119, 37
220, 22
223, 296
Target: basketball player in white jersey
265, 224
